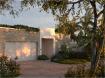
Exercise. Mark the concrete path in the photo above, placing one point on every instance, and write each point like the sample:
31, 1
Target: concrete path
42, 69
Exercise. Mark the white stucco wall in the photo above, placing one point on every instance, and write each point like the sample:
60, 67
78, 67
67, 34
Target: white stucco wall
13, 39
48, 33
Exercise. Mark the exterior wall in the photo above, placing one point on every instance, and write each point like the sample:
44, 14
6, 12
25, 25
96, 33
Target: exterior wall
58, 40
62, 39
47, 33
14, 35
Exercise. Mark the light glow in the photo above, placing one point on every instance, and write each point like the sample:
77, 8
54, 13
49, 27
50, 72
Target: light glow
26, 50
18, 54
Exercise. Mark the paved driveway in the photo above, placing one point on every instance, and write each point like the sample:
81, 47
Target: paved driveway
42, 69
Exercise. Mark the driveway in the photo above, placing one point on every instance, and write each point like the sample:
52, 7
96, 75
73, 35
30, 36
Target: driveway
42, 69
45, 69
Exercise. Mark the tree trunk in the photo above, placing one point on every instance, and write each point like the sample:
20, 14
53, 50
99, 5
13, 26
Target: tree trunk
96, 52
93, 44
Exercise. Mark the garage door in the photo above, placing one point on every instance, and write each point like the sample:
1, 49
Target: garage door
23, 50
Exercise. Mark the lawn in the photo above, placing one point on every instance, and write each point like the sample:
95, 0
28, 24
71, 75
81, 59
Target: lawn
72, 61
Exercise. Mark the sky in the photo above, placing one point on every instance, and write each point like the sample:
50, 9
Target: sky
31, 17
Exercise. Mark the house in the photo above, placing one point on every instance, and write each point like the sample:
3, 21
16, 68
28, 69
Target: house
26, 43
18, 41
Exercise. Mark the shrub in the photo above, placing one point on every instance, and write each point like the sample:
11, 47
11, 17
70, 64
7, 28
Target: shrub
77, 72
101, 69
64, 48
60, 56
83, 71
42, 57
8, 68
78, 55
69, 55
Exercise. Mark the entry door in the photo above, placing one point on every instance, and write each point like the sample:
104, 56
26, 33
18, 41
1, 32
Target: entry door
47, 47
22, 50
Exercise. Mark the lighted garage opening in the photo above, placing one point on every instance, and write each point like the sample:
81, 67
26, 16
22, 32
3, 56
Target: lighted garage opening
23, 50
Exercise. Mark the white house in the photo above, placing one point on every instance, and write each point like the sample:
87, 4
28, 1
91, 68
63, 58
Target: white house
28, 44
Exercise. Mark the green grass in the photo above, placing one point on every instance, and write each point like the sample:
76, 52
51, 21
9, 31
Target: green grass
72, 61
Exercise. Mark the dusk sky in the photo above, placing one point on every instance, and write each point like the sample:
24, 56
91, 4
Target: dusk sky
32, 17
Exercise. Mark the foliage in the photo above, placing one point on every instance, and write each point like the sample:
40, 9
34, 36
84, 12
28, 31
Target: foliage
7, 5
42, 57
85, 30
60, 56
70, 55
78, 72
101, 69
79, 55
64, 48
8, 68
65, 54
66, 27
27, 28
75, 8
83, 71
102, 50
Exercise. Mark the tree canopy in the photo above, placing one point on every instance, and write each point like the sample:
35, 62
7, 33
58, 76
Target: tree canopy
62, 9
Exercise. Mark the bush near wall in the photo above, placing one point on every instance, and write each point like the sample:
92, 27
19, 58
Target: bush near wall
42, 57
83, 71
27, 28
79, 55
70, 57
8, 68
67, 56
60, 56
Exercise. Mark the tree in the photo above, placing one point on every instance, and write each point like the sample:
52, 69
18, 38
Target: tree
66, 28
65, 8
7, 6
